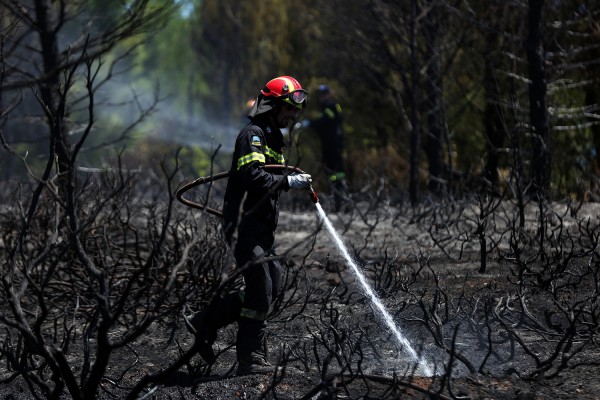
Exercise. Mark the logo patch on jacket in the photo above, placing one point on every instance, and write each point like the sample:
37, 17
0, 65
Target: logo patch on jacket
255, 141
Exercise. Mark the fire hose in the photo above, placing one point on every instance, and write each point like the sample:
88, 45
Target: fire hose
221, 175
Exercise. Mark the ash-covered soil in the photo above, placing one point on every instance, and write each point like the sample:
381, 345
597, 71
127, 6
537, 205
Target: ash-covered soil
331, 342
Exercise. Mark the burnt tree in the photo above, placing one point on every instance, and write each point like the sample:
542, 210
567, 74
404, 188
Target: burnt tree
538, 111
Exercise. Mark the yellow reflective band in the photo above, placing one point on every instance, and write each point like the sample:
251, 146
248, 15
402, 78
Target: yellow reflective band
274, 155
252, 314
338, 108
248, 158
290, 84
329, 113
336, 176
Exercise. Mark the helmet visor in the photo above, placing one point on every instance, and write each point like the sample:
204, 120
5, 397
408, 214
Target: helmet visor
296, 98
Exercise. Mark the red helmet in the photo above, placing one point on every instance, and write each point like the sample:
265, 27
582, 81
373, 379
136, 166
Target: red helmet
287, 89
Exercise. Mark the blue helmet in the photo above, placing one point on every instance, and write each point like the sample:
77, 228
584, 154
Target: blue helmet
323, 89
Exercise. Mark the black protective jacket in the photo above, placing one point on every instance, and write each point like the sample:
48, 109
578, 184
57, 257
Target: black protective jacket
329, 128
252, 196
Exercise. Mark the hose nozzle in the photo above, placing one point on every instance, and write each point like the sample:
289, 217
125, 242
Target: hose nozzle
313, 195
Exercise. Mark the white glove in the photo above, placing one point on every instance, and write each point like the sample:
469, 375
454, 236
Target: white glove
299, 181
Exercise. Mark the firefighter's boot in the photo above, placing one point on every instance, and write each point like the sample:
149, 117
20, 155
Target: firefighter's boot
205, 336
207, 322
252, 348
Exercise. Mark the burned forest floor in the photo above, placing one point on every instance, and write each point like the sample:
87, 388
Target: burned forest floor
492, 310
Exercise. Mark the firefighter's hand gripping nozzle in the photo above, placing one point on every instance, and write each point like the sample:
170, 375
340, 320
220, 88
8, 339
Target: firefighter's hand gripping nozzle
313, 195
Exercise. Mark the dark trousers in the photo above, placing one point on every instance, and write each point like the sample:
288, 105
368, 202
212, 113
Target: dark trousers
262, 278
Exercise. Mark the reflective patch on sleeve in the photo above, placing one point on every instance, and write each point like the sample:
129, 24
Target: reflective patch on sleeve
255, 141
329, 112
248, 158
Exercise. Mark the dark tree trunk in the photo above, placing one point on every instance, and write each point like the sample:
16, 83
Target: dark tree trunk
415, 135
433, 139
53, 103
591, 101
495, 131
540, 161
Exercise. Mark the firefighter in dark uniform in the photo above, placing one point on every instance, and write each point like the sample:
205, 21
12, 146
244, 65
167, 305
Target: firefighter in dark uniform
328, 127
250, 214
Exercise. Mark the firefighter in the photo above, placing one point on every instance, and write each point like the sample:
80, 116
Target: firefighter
328, 127
250, 214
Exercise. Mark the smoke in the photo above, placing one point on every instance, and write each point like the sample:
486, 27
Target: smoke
124, 101
170, 124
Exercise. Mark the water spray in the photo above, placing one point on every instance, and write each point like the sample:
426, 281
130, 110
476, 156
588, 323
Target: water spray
379, 307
